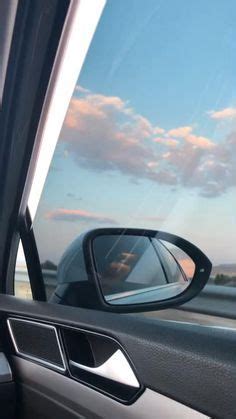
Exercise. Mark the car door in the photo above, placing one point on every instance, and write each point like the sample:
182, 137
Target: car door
68, 361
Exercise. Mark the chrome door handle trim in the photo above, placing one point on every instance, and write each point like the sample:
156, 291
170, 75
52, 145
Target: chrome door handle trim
116, 368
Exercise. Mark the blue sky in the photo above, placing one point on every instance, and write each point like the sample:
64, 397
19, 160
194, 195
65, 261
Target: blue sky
149, 139
171, 59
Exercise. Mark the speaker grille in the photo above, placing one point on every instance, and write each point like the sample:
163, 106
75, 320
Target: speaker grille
36, 341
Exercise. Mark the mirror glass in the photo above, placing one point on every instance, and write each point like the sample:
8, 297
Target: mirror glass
138, 269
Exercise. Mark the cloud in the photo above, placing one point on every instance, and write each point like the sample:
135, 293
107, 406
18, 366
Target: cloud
76, 215
211, 170
180, 132
169, 142
186, 134
85, 109
201, 142
158, 131
215, 172
144, 126
226, 113
104, 134
81, 89
152, 164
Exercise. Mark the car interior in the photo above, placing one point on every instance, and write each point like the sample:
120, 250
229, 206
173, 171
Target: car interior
88, 347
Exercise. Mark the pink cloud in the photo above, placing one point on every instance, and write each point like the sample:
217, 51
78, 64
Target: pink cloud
226, 113
144, 127
169, 142
80, 108
103, 133
102, 101
152, 164
187, 135
180, 132
75, 215
92, 106
199, 141
158, 131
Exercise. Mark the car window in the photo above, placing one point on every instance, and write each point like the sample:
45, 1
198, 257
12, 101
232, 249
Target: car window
149, 137
22, 287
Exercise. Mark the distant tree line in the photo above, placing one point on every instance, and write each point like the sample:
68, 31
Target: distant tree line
222, 279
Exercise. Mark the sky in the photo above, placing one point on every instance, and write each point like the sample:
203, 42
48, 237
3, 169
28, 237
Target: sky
149, 139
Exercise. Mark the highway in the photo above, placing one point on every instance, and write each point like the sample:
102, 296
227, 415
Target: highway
215, 306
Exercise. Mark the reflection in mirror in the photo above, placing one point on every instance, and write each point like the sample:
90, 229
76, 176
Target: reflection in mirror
138, 269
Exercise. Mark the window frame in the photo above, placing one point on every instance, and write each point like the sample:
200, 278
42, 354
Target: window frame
63, 69
32, 258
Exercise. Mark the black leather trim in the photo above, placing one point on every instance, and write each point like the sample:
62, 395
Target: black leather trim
195, 365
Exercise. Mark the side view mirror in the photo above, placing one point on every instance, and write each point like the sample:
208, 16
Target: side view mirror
130, 270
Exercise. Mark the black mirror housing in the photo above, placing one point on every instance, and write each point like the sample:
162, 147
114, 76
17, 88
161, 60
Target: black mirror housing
80, 281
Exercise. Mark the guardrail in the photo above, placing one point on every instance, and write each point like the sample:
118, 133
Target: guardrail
215, 300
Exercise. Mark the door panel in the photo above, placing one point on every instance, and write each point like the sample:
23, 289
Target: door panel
7, 389
29, 340
93, 359
74, 400
186, 363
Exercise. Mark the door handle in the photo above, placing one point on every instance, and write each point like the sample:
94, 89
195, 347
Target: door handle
116, 368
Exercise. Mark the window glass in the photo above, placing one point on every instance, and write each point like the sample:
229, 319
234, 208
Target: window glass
149, 139
22, 287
